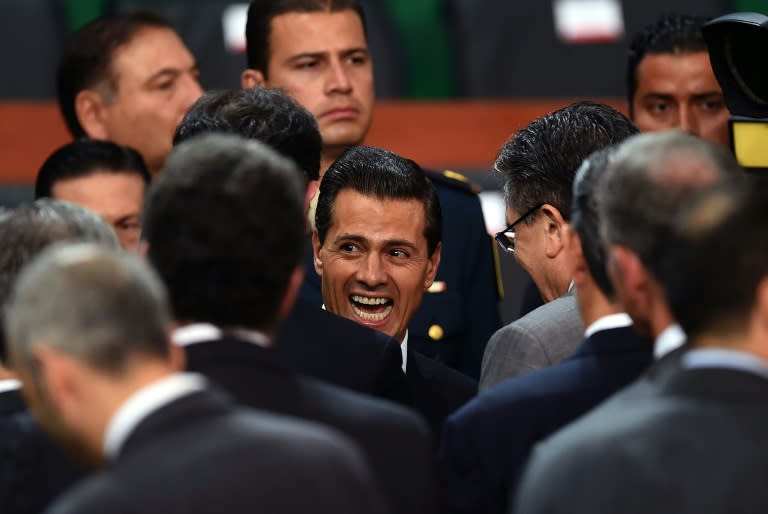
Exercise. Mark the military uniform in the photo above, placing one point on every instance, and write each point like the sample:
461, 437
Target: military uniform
460, 312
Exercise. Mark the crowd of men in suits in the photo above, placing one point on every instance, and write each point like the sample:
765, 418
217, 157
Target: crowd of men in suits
223, 302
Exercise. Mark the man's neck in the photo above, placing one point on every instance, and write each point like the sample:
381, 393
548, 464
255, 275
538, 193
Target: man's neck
593, 304
6, 374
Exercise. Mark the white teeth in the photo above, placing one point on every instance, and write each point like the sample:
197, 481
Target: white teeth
369, 301
368, 316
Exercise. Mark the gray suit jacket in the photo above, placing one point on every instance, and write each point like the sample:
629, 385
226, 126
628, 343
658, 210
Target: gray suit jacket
682, 441
541, 338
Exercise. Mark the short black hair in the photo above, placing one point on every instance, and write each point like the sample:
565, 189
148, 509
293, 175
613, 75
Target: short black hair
259, 25
86, 61
540, 160
31, 227
382, 175
85, 157
266, 115
225, 229
670, 34
585, 218
717, 257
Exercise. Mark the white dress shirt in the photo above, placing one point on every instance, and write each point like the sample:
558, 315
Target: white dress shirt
404, 350
9, 384
670, 339
143, 403
618, 320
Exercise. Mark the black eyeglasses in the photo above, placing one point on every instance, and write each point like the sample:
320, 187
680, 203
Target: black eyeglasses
506, 238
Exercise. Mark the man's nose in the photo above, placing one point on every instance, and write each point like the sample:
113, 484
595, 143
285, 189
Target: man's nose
372, 271
338, 78
688, 121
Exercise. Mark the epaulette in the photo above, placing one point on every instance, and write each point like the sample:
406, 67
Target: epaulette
453, 179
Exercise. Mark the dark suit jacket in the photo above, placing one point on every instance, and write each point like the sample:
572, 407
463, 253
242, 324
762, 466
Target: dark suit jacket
322, 345
693, 442
466, 313
11, 402
436, 389
201, 454
486, 444
395, 441
32, 470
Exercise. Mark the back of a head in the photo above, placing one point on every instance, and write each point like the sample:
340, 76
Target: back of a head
540, 160
99, 305
30, 228
717, 259
262, 12
382, 175
647, 182
266, 115
670, 34
585, 218
85, 157
225, 230
87, 57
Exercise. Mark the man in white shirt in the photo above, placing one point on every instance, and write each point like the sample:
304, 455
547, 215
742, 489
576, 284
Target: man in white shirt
697, 444
639, 201
485, 445
88, 333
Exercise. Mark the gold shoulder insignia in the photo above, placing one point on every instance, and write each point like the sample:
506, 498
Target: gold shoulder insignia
455, 175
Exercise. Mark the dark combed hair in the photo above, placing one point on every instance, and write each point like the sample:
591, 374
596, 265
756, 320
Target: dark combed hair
382, 175
87, 58
539, 161
261, 13
225, 229
717, 257
85, 157
586, 221
266, 115
670, 34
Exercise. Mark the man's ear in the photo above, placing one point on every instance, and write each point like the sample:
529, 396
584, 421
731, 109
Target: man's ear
58, 374
90, 112
635, 276
555, 223
433, 265
317, 259
251, 79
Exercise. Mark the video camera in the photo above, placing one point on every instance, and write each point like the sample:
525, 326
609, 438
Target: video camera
736, 42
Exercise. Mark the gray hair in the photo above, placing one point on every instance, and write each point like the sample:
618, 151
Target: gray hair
646, 184
99, 305
29, 228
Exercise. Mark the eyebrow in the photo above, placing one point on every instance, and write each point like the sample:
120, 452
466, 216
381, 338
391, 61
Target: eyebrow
320, 55
361, 239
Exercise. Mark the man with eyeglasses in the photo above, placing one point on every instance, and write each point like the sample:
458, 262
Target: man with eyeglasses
538, 164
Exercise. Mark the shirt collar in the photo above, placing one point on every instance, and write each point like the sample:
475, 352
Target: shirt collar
143, 403
404, 350
10, 384
202, 332
618, 320
725, 358
670, 339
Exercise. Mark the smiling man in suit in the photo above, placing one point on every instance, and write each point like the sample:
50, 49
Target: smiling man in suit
88, 332
377, 247
485, 444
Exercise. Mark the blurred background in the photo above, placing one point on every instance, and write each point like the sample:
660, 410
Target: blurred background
454, 78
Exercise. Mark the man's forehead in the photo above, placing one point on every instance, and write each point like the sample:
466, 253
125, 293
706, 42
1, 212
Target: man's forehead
316, 32
385, 218
150, 51
659, 70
